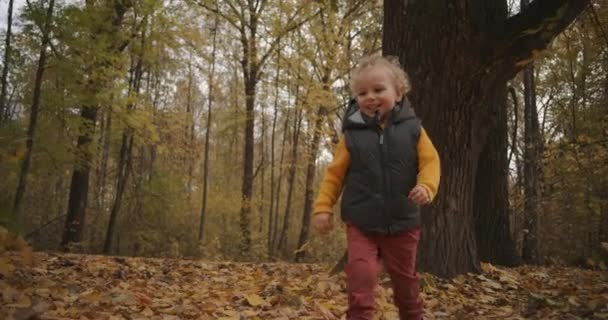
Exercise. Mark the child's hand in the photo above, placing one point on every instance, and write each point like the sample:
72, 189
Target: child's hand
419, 195
323, 222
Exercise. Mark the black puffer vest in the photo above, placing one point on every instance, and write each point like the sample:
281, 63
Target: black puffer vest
383, 169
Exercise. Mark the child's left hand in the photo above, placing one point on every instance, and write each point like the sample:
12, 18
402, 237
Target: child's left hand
419, 195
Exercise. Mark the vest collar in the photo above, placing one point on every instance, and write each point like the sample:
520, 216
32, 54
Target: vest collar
354, 118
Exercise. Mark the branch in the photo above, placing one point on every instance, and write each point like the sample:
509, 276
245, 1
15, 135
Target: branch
285, 31
515, 124
530, 31
217, 12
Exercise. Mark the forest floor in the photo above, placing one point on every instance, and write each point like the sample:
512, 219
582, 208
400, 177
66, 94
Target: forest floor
69, 286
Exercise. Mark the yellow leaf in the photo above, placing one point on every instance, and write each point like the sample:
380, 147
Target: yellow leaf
255, 301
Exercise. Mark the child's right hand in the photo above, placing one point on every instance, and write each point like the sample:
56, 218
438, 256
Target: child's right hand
323, 222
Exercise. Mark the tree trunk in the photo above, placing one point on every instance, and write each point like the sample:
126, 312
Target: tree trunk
123, 172
247, 186
311, 169
262, 168
210, 83
4, 110
281, 244
126, 148
25, 165
459, 55
491, 203
79, 187
531, 166
275, 214
271, 219
105, 141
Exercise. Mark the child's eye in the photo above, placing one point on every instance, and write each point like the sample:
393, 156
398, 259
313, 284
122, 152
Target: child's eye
378, 90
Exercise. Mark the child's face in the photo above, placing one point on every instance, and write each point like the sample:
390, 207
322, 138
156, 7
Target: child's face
375, 91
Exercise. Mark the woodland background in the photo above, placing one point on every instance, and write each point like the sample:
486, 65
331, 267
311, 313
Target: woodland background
201, 128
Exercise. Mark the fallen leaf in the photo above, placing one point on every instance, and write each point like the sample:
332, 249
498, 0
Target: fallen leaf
255, 300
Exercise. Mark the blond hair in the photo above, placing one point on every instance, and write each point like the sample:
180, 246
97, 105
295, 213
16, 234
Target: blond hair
391, 63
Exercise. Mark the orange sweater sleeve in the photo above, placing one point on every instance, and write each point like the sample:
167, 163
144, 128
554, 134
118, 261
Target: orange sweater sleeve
333, 180
429, 168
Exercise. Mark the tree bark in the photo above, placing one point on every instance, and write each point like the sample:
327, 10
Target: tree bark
459, 55
105, 141
311, 169
531, 165
31, 130
79, 187
4, 110
275, 214
271, 218
291, 174
124, 171
210, 93
491, 203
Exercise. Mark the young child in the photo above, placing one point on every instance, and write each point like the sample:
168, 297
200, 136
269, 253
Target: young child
388, 166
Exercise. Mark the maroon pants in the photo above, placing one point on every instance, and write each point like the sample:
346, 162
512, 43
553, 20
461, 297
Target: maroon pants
399, 255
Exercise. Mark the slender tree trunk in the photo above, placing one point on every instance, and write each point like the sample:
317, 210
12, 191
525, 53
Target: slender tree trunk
262, 172
31, 130
602, 228
124, 170
275, 214
210, 94
4, 110
105, 140
311, 169
491, 204
271, 219
247, 186
126, 148
282, 243
189, 134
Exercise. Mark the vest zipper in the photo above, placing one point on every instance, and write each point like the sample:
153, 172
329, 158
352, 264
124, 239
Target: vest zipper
385, 190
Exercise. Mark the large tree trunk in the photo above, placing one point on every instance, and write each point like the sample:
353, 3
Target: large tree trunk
6, 63
491, 201
25, 165
459, 55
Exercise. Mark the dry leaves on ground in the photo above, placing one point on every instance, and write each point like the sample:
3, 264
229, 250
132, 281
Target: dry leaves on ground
68, 286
